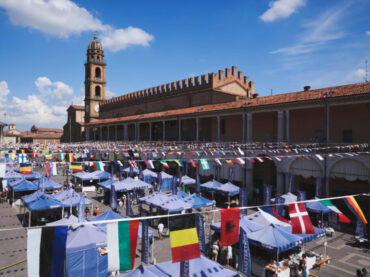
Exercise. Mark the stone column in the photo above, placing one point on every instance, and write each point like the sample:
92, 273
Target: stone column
280, 134
87, 132
218, 128
280, 184
108, 138
150, 131
287, 126
101, 132
179, 124
327, 186
197, 129
115, 133
243, 127
125, 132
327, 108
164, 130
249, 179
249, 127
138, 131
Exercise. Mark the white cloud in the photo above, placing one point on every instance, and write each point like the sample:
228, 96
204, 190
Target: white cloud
109, 94
62, 18
119, 39
4, 91
78, 100
323, 29
58, 89
281, 9
368, 33
359, 74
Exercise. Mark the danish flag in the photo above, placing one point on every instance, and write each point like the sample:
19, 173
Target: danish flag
301, 223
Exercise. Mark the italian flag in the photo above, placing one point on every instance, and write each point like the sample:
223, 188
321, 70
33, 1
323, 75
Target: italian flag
98, 166
121, 245
165, 164
342, 217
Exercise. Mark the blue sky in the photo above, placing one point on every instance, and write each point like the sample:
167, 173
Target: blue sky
281, 45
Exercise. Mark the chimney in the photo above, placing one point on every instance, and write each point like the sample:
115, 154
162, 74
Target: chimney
306, 88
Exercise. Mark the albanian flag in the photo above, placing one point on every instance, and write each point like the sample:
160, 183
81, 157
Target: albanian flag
229, 226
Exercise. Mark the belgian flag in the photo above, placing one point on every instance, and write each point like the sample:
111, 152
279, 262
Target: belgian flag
76, 167
183, 238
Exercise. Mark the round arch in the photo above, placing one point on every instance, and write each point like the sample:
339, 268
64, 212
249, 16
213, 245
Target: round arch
350, 169
97, 72
306, 168
97, 91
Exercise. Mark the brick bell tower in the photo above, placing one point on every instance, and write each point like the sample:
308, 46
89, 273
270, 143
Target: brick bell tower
94, 80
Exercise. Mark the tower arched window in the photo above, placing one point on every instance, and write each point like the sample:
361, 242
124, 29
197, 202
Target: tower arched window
98, 59
97, 91
97, 73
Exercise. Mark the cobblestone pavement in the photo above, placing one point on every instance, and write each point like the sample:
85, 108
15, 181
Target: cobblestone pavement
346, 256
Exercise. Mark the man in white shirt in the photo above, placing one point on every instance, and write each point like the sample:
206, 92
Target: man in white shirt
160, 230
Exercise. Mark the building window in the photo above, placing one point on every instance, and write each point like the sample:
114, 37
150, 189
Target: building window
98, 60
97, 91
347, 136
223, 126
97, 73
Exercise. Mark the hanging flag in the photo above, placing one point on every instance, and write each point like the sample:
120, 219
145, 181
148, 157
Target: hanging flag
48, 156
164, 164
229, 162
60, 157
76, 167
229, 226
267, 193
201, 232
25, 168
319, 157
278, 158
218, 162
301, 195
204, 164
98, 166
129, 211
22, 158
239, 161
245, 262
113, 197
243, 199
291, 183
136, 155
121, 244
47, 169
149, 164
355, 208
197, 181
145, 241
231, 174
193, 163
46, 249
329, 204
272, 211
259, 159
71, 158
183, 238
318, 187
179, 163
174, 185
301, 223
2, 170
240, 151
81, 209
215, 177
133, 164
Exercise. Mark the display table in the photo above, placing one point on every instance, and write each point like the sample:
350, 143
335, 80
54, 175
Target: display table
271, 269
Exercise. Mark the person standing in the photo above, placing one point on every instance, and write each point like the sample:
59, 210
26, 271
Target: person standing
229, 254
304, 265
215, 249
364, 272
160, 230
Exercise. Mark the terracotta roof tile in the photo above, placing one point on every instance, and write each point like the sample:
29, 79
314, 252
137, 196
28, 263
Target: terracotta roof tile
339, 91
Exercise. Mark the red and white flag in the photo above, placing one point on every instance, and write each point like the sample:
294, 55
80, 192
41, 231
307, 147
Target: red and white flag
133, 164
193, 163
229, 226
300, 221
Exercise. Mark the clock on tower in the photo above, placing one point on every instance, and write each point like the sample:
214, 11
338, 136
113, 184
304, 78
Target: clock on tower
94, 80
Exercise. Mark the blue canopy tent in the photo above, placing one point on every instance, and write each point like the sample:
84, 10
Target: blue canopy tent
91, 176
110, 215
274, 238
69, 198
167, 202
247, 225
149, 176
32, 176
22, 185
106, 184
12, 175
47, 184
197, 201
186, 180
211, 185
307, 237
71, 220
288, 198
145, 271
82, 252
130, 184
228, 189
100, 175
127, 170
317, 207
166, 183
32, 197
202, 267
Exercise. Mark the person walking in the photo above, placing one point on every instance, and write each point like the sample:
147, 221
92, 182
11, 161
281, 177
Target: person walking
215, 249
304, 265
229, 254
160, 230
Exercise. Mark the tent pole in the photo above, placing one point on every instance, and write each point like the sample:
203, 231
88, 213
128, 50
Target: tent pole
29, 218
228, 198
13, 198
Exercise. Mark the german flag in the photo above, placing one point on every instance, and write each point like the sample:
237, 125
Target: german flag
76, 167
355, 208
71, 158
183, 238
